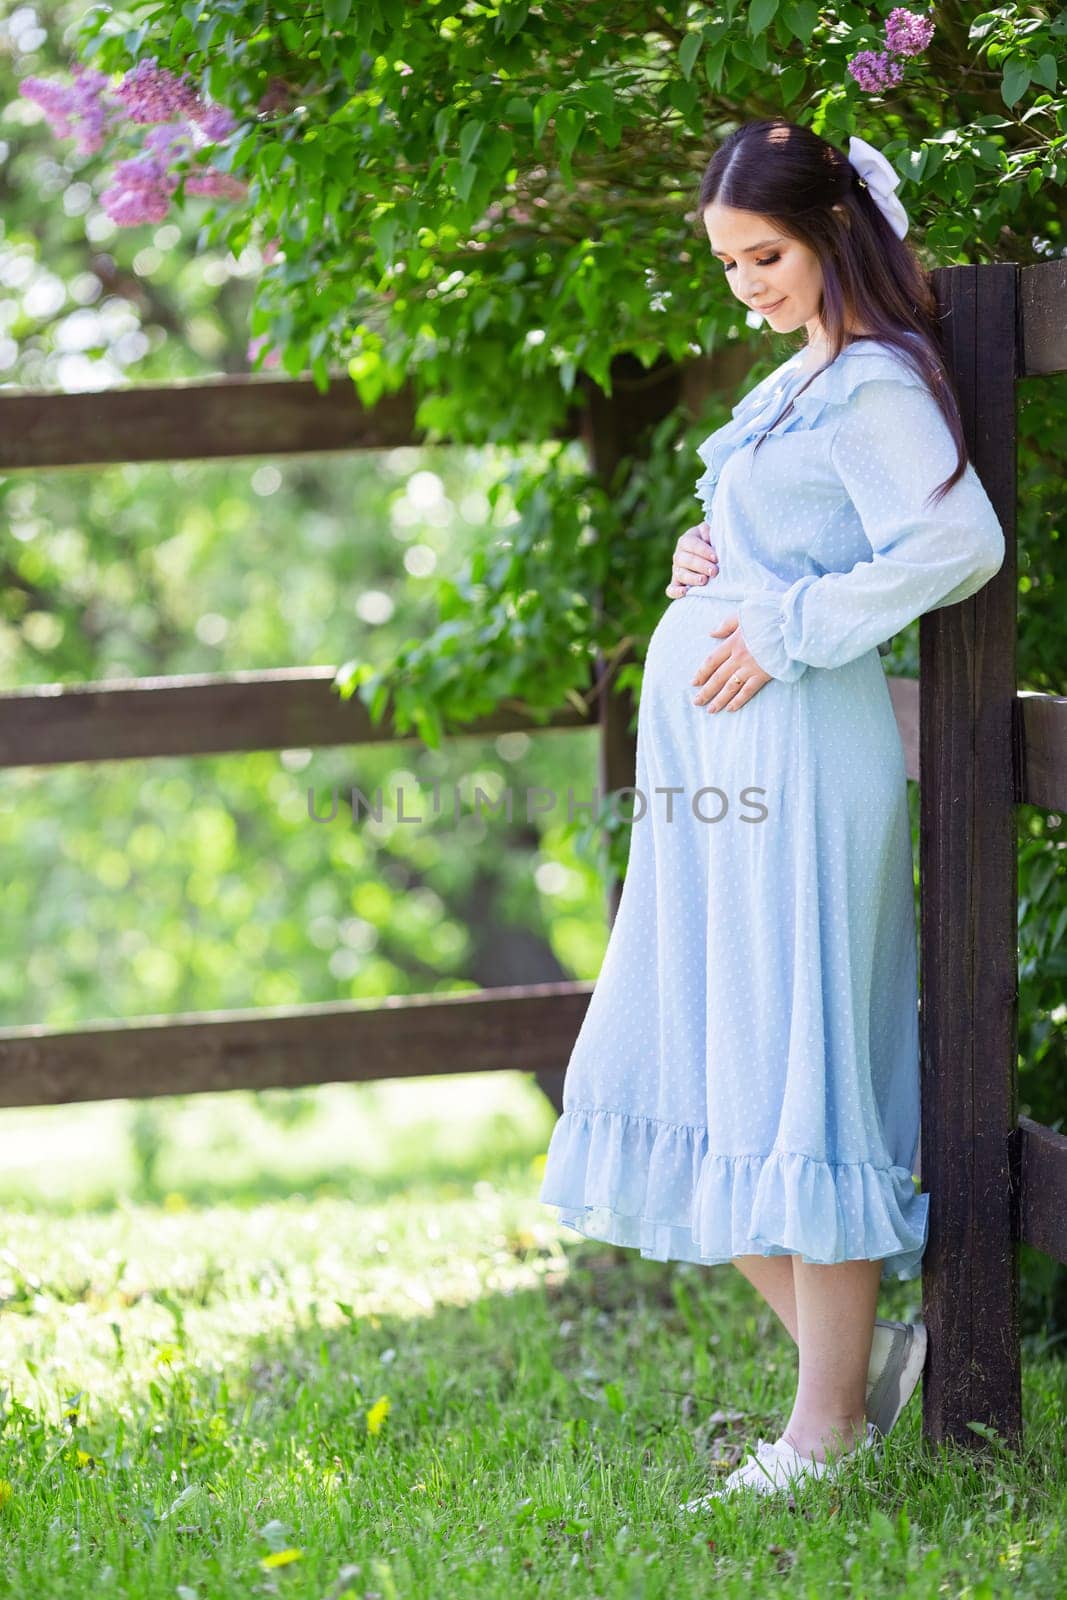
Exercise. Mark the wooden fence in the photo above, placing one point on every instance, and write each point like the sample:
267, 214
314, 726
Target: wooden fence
981, 748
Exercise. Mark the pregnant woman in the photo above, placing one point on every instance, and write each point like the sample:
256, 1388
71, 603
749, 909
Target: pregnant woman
745, 1084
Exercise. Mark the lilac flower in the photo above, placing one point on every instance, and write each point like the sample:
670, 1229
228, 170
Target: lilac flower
151, 93
142, 186
215, 122
167, 140
255, 345
141, 191
80, 110
875, 70
278, 93
908, 32
210, 181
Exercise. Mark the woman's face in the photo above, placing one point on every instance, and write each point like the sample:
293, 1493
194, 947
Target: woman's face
770, 271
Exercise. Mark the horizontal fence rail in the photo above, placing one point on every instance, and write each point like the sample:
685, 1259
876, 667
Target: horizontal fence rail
213, 418
1041, 338
297, 708
1042, 1159
526, 1029
286, 708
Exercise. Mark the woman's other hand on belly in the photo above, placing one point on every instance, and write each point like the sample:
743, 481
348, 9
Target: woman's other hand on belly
695, 560
730, 677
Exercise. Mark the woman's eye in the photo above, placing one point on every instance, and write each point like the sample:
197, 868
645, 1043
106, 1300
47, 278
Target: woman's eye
768, 263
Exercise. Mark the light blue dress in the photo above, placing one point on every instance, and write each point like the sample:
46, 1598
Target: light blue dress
746, 1077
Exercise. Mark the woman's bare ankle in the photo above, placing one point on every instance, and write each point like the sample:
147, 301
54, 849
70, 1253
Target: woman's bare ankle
820, 1437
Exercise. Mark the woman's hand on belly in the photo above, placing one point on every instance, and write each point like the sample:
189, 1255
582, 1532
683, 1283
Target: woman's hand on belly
695, 560
729, 661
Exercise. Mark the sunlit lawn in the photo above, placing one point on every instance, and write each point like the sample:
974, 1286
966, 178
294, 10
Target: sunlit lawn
398, 1385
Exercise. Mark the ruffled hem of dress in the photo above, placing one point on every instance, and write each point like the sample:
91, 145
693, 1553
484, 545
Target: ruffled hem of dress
657, 1188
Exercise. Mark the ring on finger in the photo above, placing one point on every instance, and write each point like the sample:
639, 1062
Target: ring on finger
735, 677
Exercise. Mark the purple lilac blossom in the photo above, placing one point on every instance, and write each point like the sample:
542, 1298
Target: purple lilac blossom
210, 181
167, 139
141, 191
277, 94
908, 32
875, 70
215, 122
142, 186
255, 345
151, 93
80, 110
154, 94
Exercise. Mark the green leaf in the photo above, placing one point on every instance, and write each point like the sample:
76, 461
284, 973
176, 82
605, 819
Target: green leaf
760, 16
982, 25
270, 159
543, 111
441, 126
570, 121
468, 139
512, 17
496, 156
1015, 80
714, 61
464, 181
1044, 70
383, 231
800, 19
688, 51
598, 98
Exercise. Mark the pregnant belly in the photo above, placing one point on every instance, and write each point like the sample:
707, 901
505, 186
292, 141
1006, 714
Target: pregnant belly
787, 738
680, 644
682, 641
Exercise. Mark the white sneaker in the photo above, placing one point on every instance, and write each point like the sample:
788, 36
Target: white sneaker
898, 1354
778, 1465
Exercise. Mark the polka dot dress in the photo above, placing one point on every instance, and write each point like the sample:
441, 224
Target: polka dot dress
746, 1077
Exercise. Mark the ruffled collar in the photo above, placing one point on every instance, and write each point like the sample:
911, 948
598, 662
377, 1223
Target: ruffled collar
751, 409
832, 384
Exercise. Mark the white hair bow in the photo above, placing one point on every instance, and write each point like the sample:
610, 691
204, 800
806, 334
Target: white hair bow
881, 179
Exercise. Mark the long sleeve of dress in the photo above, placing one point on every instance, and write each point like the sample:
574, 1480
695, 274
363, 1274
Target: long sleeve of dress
890, 448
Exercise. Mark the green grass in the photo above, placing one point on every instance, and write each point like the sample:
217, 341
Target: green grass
434, 1391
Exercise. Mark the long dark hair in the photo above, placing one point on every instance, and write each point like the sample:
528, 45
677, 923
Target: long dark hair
788, 174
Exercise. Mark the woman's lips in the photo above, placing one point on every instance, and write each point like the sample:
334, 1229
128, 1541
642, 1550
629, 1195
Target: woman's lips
763, 310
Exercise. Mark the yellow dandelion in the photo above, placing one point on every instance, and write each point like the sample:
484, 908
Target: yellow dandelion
6, 1491
377, 1414
281, 1558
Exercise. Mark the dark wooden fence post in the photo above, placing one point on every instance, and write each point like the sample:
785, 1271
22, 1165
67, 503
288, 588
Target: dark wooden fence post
969, 974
